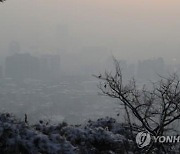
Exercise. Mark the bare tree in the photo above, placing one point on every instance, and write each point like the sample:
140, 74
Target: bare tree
155, 109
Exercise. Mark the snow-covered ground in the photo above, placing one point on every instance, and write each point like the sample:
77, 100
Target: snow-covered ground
104, 136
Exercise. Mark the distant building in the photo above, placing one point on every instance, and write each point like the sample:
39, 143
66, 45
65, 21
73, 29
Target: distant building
150, 69
1, 72
62, 37
14, 47
50, 67
22, 66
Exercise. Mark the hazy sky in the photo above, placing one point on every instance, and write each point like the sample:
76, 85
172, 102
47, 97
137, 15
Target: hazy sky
130, 29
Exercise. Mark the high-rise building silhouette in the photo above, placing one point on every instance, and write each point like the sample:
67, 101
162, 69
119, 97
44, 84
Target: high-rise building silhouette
22, 66
1, 72
50, 67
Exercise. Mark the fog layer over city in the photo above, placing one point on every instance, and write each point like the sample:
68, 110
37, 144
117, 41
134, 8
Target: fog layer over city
50, 51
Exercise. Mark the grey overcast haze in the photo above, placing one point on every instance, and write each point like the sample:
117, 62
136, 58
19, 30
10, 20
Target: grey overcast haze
128, 29
50, 50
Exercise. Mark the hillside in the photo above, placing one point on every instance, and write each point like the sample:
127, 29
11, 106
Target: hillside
104, 136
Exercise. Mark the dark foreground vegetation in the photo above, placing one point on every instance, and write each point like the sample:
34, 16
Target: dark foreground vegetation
103, 136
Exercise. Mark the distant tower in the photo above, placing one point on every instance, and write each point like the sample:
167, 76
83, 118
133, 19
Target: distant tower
50, 67
1, 72
22, 66
14, 47
62, 37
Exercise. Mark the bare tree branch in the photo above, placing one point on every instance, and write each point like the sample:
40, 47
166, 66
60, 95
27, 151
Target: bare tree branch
155, 109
